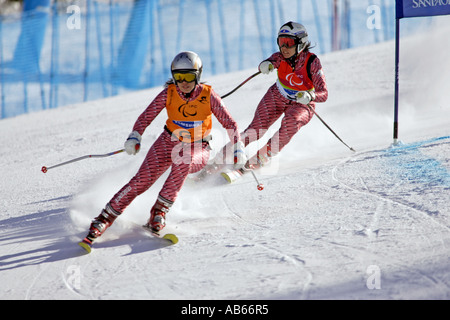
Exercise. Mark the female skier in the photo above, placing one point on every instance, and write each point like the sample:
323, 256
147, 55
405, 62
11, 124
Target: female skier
183, 145
299, 85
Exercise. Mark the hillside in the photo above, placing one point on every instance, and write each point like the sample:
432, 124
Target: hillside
330, 224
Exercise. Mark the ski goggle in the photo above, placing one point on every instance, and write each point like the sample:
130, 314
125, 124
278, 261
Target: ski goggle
286, 42
180, 77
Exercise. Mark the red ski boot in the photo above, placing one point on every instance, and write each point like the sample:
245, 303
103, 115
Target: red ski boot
158, 213
99, 226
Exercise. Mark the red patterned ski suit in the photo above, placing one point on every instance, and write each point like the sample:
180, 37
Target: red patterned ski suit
274, 104
168, 151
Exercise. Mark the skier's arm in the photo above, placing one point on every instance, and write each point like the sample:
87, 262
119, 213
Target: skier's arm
224, 117
318, 79
133, 143
268, 65
151, 112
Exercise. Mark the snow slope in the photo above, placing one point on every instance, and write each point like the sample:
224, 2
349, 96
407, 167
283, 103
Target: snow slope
330, 224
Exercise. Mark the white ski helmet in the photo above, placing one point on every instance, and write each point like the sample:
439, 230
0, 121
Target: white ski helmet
187, 62
296, 31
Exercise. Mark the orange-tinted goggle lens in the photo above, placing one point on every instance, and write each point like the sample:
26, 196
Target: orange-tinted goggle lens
180, 77
286, 42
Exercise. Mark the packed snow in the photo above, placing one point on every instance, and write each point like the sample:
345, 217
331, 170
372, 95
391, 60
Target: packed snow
329, 224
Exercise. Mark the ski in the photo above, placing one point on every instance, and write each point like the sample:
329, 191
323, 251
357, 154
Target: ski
170, 237
232, 175
86, 244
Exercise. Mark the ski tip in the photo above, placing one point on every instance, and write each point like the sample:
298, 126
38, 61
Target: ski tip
85, 246
168, 236
226, 177
171, 237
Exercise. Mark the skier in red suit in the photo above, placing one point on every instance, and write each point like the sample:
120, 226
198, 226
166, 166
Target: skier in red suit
183, 145
300, 84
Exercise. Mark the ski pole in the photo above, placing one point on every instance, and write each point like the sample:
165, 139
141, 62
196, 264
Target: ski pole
45, 169
260, 186
326, 125
244, 82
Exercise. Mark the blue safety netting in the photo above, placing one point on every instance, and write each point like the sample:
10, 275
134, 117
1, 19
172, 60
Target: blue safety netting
56, 53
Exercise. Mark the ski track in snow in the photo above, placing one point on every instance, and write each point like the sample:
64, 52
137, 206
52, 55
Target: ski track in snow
421, 217
258, 231
382, 196
294, 260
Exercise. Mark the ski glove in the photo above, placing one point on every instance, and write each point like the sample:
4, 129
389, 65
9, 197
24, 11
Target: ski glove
266, 67
240, 159
305, 97
133, 143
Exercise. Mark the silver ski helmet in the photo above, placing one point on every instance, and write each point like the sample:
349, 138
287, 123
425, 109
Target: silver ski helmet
187, 62
295, 31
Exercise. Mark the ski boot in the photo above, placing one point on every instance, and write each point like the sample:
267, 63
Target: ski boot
99, 226
158, 213
261, 159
